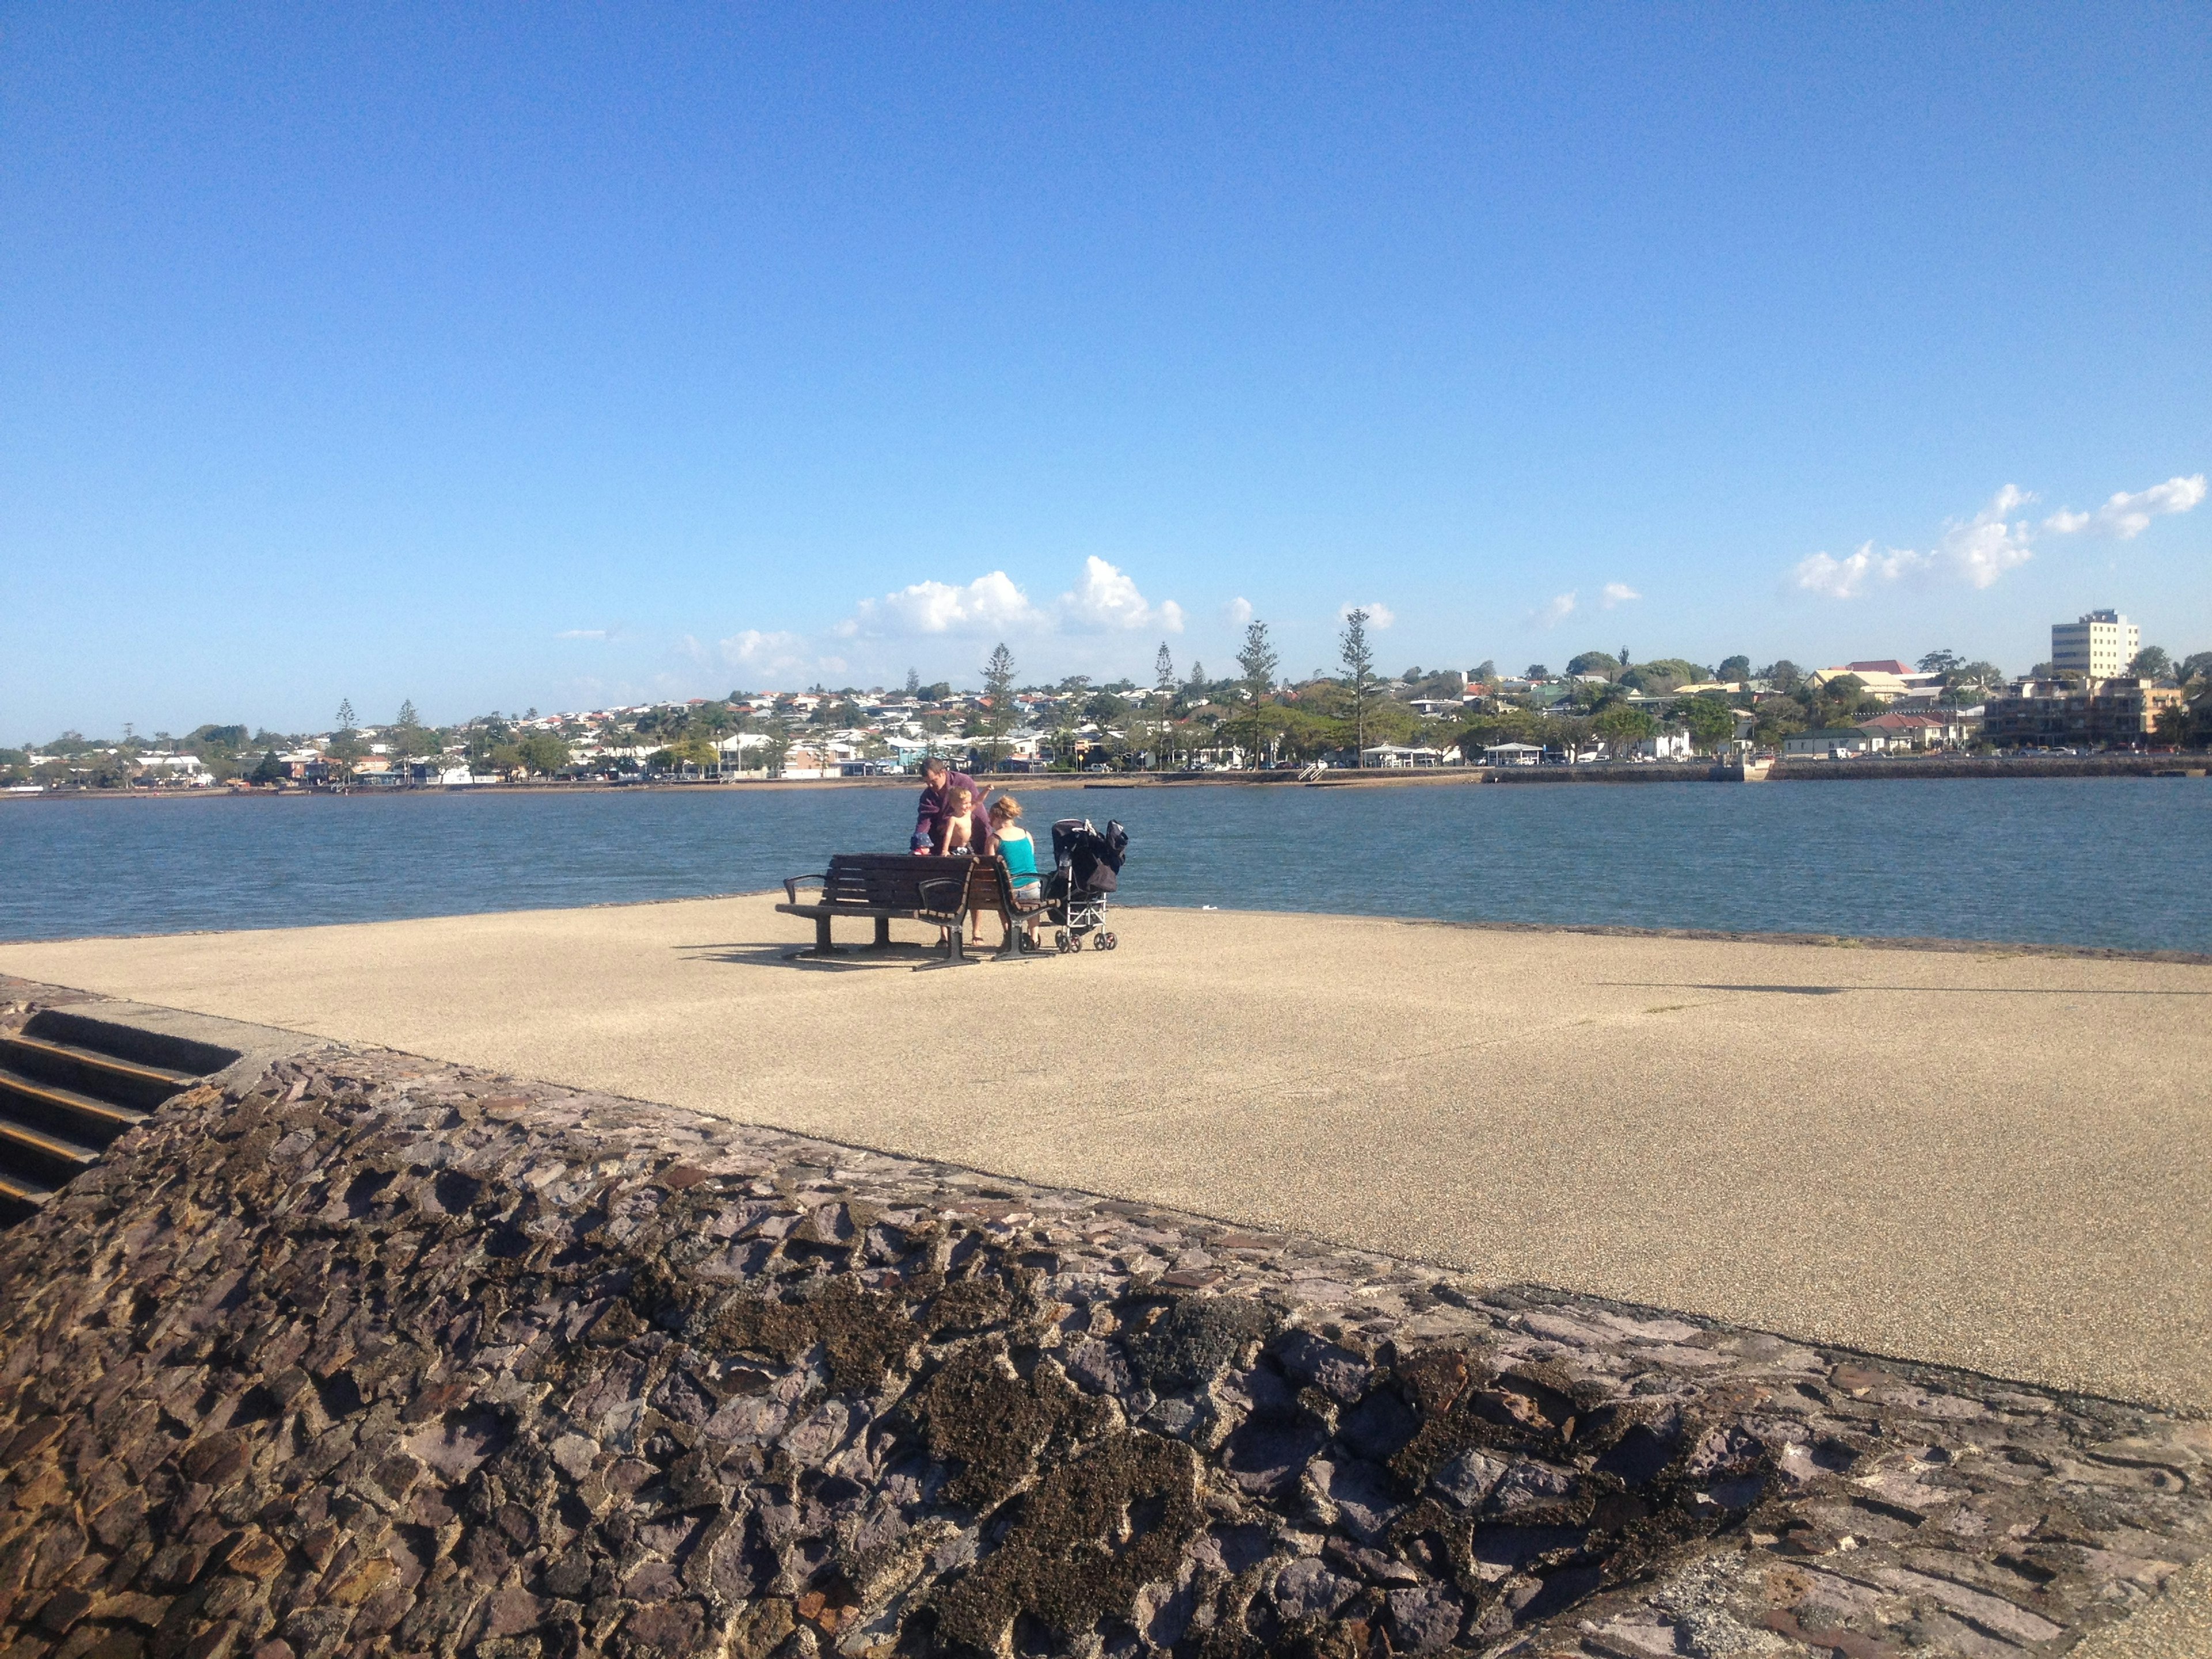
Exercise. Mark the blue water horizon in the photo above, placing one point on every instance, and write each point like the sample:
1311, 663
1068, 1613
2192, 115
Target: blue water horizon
2113, 862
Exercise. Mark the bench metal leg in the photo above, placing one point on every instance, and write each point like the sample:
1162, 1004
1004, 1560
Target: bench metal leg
1015, 948
956, 952
882, 933
821, 945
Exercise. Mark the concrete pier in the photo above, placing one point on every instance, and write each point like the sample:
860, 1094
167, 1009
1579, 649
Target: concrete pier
1982, 1158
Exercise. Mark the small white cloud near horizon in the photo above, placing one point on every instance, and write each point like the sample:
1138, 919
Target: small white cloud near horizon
2126, 515
1617, 593
1379, 615
1554, 610
931, 607
1977, 551
749, 649
588, 633
1238, 610
1108, 600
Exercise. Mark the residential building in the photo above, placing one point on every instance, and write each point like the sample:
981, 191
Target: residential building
1899, 730
2100, 645
187, 766
1832, 743
1662, 745
2069, 714
1887, 679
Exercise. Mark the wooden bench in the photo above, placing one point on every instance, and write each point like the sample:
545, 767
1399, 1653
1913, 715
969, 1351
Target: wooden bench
884, 887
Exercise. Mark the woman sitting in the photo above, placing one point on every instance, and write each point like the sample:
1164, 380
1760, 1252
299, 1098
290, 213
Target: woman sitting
1019, 851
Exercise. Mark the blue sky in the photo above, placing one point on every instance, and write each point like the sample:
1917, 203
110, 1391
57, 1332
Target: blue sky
554, 356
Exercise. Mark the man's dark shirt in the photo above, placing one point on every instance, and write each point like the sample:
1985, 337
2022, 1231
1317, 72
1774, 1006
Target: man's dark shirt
929, 819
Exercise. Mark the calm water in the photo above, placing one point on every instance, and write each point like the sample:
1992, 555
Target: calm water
2090, 861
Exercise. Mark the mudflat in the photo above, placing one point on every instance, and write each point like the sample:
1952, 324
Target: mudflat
1982, 1158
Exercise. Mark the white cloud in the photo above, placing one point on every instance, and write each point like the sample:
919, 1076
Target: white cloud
991, 602
749, 649
1975, 551
1379, 615
1554, 610
588, 633
1238, 610
1834, 578
1108, 599
2125, 516
1617, 593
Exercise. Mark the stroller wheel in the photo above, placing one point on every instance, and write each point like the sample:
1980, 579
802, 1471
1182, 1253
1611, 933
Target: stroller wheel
1107, 941
1062, 941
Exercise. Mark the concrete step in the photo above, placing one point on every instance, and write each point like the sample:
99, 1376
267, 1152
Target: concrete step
39, 1156
90, 1071
68, 1113
71, 1080
21, 1196
116, 1032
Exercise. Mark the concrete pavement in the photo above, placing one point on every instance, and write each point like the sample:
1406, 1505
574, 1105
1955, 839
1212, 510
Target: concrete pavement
1986, 1159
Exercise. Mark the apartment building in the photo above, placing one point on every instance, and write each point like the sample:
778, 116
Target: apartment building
2066, 713
2100, 645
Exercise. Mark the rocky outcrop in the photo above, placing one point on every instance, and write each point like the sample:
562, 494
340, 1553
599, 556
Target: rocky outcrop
382, 1356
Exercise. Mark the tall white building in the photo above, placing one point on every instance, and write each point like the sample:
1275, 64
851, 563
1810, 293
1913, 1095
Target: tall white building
2101, 645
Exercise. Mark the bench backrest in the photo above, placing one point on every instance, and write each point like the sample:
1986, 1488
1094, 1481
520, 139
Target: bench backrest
897, 881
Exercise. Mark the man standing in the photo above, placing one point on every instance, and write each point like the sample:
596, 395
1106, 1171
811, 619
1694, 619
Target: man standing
938, 781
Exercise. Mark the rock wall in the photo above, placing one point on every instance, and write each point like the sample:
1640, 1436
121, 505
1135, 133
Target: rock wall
378, 1357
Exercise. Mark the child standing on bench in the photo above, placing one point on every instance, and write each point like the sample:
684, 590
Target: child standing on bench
956, 829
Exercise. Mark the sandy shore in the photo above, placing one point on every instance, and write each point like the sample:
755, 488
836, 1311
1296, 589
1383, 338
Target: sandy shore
1986, 1159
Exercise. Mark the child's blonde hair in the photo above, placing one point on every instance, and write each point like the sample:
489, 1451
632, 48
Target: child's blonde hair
1005, 807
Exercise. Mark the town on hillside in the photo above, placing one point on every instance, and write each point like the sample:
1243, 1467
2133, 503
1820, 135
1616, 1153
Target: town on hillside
2101, 689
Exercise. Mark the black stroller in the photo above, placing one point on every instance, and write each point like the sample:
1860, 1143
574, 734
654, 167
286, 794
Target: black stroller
1086, 867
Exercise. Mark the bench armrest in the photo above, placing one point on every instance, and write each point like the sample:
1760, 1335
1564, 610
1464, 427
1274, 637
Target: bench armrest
791, 886
945, 893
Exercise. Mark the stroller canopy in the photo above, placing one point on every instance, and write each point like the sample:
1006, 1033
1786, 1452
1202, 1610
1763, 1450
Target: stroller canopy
1092, 859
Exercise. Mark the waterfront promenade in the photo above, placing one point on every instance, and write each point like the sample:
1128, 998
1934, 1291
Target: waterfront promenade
1981, 1158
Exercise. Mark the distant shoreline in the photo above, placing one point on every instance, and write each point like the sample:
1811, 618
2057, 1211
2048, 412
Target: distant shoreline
1784, 771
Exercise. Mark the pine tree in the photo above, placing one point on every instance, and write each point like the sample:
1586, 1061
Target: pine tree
999, 687
1258, 662
1359, 667
1163, 686
346, 713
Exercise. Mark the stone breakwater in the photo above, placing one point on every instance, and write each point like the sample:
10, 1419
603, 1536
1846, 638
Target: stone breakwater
375, 1356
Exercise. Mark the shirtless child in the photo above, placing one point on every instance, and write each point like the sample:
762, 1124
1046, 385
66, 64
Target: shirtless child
956, 829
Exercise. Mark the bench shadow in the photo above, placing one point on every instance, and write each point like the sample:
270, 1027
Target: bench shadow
848, 959
1901, 990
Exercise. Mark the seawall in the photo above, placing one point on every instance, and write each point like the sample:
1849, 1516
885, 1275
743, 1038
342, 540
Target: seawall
368, 1354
